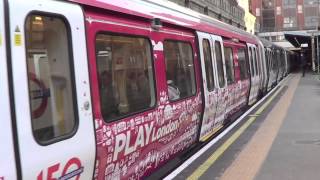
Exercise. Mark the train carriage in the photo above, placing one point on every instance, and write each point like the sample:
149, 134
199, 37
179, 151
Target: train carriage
116, 89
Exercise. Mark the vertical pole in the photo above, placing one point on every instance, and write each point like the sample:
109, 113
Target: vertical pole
313, 54
318, 55
318, 35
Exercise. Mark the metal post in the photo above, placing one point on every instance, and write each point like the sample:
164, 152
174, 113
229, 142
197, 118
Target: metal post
318, 55
312, 53
318, 34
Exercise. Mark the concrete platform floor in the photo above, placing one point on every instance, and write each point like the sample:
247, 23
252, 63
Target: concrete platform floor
281, 142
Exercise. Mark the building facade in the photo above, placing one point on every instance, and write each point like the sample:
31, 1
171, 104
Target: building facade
286, 15
278, 18
227, 11
249, 19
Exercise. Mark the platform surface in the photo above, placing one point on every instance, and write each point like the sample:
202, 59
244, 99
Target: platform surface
280, 139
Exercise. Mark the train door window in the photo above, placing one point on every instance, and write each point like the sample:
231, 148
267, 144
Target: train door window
275, 61
218, 53
242, 64
254, 61
267, 59
208, 64
50, 77
125, 72
272, 59
254, 66
251, 62
179, 69
228, 55
257, 62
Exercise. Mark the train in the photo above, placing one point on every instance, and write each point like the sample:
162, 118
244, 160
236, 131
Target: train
117, 89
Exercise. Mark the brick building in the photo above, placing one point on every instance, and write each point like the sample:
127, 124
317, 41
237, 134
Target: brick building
297, 21
227, 11
285, 15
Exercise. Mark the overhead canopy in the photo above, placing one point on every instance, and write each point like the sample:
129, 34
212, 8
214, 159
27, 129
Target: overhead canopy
297, 38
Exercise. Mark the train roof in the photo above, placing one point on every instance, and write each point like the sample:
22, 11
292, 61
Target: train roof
266, 43
171, 13
271, 45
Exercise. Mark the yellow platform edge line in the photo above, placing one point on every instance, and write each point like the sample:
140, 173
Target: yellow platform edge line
211, 160
213, 131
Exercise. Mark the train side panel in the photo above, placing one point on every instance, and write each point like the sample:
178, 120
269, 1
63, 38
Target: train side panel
146, 89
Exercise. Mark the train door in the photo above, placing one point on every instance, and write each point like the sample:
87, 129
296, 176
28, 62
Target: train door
210, 90
231, 78
221, 79
7, 159
52, 90
254, 85
263, 66
259, 68
242, 76
286, 56
273, 62
278, 60
269, 68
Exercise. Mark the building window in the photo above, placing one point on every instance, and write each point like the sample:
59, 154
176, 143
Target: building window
311, 21
50, 78
208, 64
242, 60
268, 4
125, 72
310, 2
300, 11
257, 11
179, 69
219, 61
289, 3
278, 10
289, 22
228, 55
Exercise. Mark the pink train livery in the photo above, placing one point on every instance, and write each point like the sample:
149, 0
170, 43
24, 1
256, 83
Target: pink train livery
120, 89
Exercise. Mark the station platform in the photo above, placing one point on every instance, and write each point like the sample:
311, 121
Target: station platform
279, 138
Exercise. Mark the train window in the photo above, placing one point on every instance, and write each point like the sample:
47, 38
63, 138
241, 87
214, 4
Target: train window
125, 71
251, 62
179, 69
266, 59
254, 61
275, 61
50, 78
219, 61
257, 64
228, 55
253, 56
208, 64
242, 64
